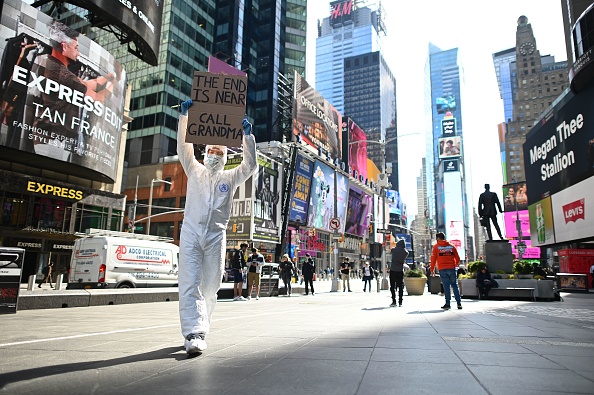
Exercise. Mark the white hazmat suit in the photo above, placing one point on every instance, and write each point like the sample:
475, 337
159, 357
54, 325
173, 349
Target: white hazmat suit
209, 197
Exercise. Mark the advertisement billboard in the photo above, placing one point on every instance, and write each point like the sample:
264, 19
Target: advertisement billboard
448, 127
515, 197
511, 230
573, 212
454, 211
559, 151
323, 195
445, 104
451, 165
357, 149
139, 19
395, 203
267, 205
542, 231
242, 213
315, 121
450, 147
301, 188
358, 208
529, 251
341, 12
62, 98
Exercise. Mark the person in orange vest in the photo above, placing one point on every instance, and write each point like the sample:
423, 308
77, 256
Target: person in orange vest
445, 255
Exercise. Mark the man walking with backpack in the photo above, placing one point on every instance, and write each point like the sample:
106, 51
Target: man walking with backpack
445, 255
399, 254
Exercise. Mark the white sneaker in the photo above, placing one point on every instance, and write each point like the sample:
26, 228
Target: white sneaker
236, 298
241, 298
249, 298
257, 298
195, 343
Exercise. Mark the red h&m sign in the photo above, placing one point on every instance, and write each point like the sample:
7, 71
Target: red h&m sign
341, 9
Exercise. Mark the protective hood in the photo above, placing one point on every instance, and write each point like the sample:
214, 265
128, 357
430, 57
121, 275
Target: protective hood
400, 243
211, 163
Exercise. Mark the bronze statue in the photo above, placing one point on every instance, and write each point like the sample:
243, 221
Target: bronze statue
487, 210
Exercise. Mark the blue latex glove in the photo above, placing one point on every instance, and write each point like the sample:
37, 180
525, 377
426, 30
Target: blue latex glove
185, 106
247, 127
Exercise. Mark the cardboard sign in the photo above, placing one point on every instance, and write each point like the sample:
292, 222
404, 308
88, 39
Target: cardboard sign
218, 109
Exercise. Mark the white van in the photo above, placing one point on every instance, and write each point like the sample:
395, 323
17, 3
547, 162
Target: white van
118, 262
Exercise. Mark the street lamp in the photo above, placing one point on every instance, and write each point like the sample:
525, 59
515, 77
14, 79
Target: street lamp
150, 203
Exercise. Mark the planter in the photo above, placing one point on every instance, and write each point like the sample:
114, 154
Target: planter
415, 285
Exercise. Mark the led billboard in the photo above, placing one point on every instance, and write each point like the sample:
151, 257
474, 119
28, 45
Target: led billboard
529, 251
358, 208
395, 203
140, 20
450, 147
315, 121
573, 212
445, 104
511, 230
515, 197
559, 150
300, 192
454, 211
323, 195
62, 98
542, 231
267, 205
357, 149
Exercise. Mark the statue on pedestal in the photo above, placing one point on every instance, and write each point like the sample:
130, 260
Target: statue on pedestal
487, 210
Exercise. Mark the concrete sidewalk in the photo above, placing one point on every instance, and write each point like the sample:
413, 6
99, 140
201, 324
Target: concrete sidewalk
330, 343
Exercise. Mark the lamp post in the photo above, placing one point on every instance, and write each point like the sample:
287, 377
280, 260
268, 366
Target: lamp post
150, 204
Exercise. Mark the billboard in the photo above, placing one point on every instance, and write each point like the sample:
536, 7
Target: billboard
529, 251
454, 211
541, 223
511, 230
515, 197
448, 127
573, 211
450, 147
139, 19
445, 104
315, 121
301, 188
395, 203
267, 205
62, 98
451, 165
341, 12
240, 221
358, 208
559, 151
322, 197
357, 149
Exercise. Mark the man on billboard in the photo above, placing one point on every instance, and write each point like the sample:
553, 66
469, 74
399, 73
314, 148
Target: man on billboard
202, 246
64, 102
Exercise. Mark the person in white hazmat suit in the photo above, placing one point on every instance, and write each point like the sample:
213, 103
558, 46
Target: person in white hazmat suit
202, 243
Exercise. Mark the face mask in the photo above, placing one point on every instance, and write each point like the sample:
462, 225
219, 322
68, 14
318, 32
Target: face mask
213, 161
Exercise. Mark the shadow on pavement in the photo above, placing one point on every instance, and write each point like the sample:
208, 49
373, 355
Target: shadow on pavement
29, 374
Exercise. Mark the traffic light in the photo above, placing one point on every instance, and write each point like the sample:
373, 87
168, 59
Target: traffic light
234, 228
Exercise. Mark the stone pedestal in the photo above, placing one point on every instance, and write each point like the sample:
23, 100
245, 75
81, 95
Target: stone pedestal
498, 255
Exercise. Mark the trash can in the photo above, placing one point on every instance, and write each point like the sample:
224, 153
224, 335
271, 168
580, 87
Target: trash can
11, 267
434, 284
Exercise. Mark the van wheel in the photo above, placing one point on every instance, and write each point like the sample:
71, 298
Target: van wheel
125, 285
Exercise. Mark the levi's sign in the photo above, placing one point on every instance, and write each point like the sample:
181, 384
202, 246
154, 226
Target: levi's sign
219, 108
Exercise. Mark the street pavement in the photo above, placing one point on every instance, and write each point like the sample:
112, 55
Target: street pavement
330, 343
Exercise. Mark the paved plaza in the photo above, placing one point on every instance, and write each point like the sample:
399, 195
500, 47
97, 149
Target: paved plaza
330, 343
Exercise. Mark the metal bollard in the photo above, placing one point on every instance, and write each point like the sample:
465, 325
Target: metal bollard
31, 282
59, 281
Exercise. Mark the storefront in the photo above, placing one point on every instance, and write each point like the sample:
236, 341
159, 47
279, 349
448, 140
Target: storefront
43, 216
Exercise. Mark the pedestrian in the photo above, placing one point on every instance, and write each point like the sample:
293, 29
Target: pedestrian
367, 276
47, 274
345, 270
399, 254
309, 268
287, 269
238, 264
592, 274
445, 256
203, 241
256, 261
484, 282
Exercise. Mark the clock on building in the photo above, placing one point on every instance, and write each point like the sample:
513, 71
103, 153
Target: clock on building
526, 48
